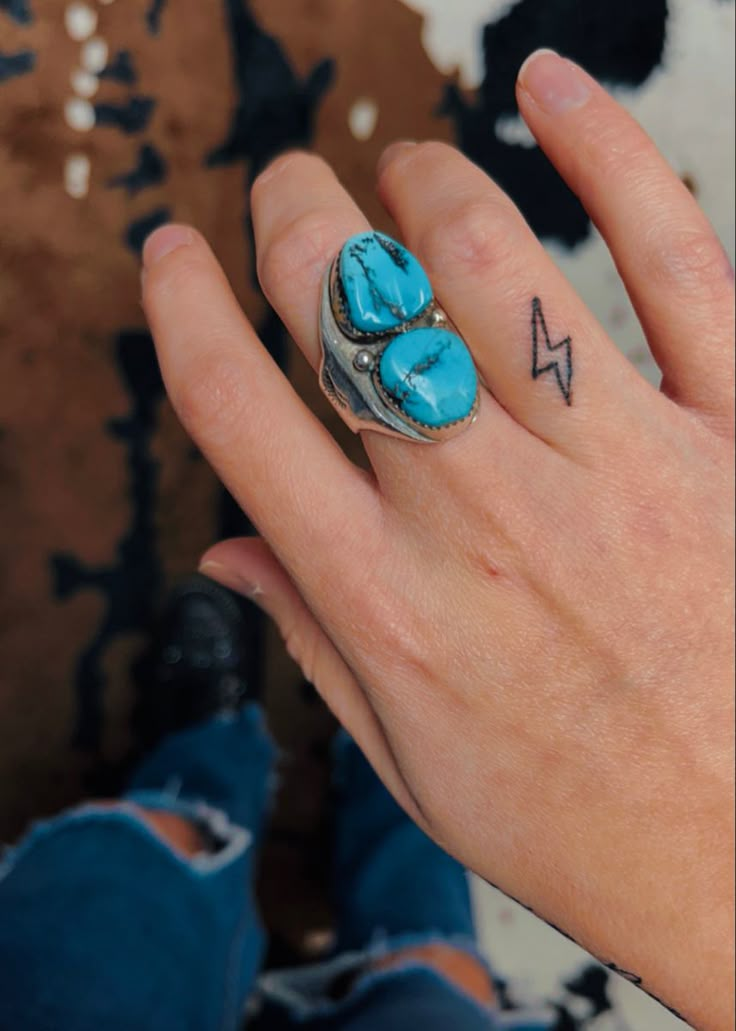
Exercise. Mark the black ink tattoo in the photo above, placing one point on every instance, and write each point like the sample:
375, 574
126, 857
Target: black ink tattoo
586, 982
635, 979
626, 974
549, 357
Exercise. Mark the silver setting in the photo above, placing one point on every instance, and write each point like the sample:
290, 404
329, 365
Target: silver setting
350, 379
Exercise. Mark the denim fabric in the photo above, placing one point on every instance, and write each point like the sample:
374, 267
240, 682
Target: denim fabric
103, 927
411, 998
227, 763
392, 888
388, 878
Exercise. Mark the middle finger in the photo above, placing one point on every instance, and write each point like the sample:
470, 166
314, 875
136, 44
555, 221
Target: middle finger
302, 216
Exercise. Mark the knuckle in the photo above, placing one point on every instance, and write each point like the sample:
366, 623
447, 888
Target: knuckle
689, 260
397, 161
608, 149
179, 273
613, 155
391, 627
268, 174
292, 160
474, 238
299, 253
434, 151
210, 397
680, 253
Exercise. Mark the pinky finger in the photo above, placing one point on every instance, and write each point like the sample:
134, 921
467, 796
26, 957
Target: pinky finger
670, 258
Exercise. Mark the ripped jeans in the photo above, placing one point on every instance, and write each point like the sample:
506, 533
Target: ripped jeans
104, 927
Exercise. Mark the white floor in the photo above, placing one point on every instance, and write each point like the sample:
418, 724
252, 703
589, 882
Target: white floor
536, 961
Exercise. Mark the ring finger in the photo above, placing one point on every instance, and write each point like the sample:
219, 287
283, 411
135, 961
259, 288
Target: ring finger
543, 354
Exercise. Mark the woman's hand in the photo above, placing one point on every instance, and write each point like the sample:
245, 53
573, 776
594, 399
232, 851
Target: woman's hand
527, 628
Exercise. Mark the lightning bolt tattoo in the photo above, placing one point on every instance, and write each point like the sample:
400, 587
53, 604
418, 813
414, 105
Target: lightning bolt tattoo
549, 357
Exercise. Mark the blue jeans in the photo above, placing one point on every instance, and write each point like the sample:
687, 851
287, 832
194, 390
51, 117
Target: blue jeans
104, 927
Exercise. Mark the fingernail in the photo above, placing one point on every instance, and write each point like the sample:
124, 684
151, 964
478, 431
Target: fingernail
278, 165
554, 83
392, 152
230, 578
163, 241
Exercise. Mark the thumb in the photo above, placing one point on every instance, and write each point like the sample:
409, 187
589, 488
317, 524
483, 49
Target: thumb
248, 567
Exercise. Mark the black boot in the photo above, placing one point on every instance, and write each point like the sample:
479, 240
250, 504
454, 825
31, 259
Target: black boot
200, 661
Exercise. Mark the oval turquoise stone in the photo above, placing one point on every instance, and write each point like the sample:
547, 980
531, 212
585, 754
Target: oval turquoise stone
430, 375
383, 284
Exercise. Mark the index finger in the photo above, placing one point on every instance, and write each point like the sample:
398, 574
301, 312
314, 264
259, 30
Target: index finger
273, 454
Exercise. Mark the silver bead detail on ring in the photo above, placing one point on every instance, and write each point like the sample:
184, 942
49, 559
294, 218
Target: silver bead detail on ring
364, 361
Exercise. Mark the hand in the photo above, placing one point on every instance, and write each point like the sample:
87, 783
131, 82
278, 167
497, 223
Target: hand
527, 628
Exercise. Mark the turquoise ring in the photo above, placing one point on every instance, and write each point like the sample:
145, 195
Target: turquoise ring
391, 359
